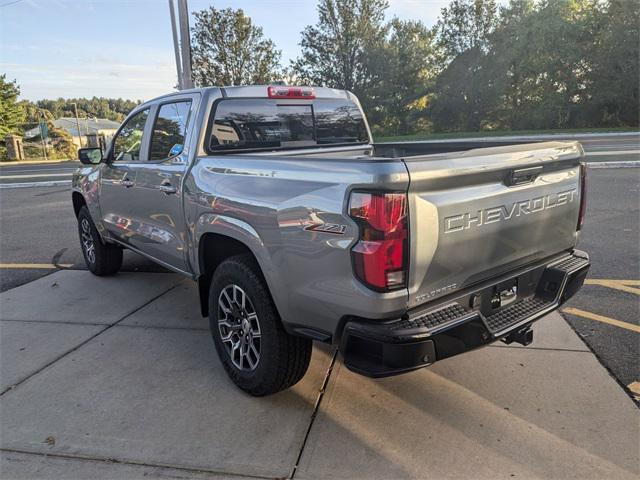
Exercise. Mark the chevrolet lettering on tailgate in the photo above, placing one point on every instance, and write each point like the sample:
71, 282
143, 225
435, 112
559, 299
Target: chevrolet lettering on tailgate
464, 221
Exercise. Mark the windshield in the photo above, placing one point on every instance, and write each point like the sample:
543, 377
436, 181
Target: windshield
248, 124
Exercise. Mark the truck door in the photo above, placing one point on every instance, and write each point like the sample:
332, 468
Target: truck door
118, 176
159, 183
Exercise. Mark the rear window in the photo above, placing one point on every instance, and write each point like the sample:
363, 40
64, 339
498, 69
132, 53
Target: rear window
255, 124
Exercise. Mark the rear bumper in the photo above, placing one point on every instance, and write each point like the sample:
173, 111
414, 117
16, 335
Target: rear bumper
462, 323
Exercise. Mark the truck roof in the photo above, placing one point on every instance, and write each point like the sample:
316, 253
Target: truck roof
256, 91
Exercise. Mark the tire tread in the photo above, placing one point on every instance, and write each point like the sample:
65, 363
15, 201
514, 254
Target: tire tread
108, 257
289, 361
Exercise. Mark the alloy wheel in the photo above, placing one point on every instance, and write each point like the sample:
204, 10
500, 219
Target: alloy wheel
239, 327
87, 240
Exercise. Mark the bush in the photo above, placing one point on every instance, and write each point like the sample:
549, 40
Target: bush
62, 143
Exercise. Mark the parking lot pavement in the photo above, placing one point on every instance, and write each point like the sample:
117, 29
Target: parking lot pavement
139, 392
73, 296
496, 413
37, 467
611, 293
147, 389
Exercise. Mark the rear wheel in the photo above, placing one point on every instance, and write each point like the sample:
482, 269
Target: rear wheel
257, 353
101, 259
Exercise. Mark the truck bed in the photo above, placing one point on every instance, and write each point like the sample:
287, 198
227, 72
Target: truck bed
399, 150
476, 209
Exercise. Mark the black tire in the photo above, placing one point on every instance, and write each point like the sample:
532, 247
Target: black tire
283, 359
101, 259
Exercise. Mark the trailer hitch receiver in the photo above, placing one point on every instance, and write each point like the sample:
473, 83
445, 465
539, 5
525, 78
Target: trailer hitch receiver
523, 336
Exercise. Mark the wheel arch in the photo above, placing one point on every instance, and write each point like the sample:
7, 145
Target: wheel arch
225, 237
78, 202
213, 249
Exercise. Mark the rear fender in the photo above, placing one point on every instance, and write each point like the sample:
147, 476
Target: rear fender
247, 235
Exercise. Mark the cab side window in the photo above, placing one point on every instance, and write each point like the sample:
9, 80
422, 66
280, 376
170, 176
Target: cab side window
127, 144
169, 130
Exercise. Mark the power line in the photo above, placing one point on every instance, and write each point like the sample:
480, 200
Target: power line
10, 3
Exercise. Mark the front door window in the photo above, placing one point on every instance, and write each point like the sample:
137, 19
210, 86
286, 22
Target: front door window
168, 137
128, 142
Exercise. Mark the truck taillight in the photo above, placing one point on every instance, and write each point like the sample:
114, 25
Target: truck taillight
291, 92
583, 194
380, 257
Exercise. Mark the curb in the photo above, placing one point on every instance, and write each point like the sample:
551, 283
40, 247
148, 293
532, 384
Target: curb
34, 162
619, 164
58, 183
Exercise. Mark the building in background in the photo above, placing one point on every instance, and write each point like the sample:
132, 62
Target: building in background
94, 132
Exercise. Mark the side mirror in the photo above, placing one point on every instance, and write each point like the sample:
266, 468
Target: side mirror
90, 156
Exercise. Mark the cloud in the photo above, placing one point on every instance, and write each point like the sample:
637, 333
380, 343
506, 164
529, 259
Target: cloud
119, 80
427, 11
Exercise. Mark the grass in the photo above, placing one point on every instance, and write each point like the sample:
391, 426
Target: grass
503, 133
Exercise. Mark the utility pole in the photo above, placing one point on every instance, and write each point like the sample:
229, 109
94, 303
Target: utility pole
42, 135
185, 43
75, 107
176, 44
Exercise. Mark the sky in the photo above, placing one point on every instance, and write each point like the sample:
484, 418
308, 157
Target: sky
124, 48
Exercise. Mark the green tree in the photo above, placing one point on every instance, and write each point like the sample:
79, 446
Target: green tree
513, 46
561, 60
466, 25
614, 75
343, 49
62, 143
543, 54
12, 112
465, 93
34, 114
408, 73
228, 49
110, 108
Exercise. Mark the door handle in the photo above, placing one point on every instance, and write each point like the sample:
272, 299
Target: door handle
167, 189
523, 175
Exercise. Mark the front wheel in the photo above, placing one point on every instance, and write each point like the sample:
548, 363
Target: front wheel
257, 353
101, 259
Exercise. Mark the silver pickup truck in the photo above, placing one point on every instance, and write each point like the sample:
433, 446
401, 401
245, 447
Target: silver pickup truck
297, 227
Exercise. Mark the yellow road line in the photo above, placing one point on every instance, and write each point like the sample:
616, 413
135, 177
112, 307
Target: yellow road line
12, 163
35, 175
622, 285
620, 280
634, 387
601, 318
625, 282
35, 265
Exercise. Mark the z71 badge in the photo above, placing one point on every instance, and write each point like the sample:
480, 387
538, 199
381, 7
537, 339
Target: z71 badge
333, 228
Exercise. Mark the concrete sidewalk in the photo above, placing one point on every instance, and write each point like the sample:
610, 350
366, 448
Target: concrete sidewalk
118, 378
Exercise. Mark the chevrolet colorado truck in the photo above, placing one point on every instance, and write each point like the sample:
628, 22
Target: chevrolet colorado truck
297, 227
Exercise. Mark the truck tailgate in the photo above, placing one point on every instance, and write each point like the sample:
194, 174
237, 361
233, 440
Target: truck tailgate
480, 213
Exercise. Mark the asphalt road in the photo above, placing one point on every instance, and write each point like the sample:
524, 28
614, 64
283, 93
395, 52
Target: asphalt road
48, 174
611, 236
38, 234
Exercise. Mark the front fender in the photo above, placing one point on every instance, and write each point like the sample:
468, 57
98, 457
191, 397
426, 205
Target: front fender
86, 182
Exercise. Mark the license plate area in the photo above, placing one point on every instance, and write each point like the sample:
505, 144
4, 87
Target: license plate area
495, 298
